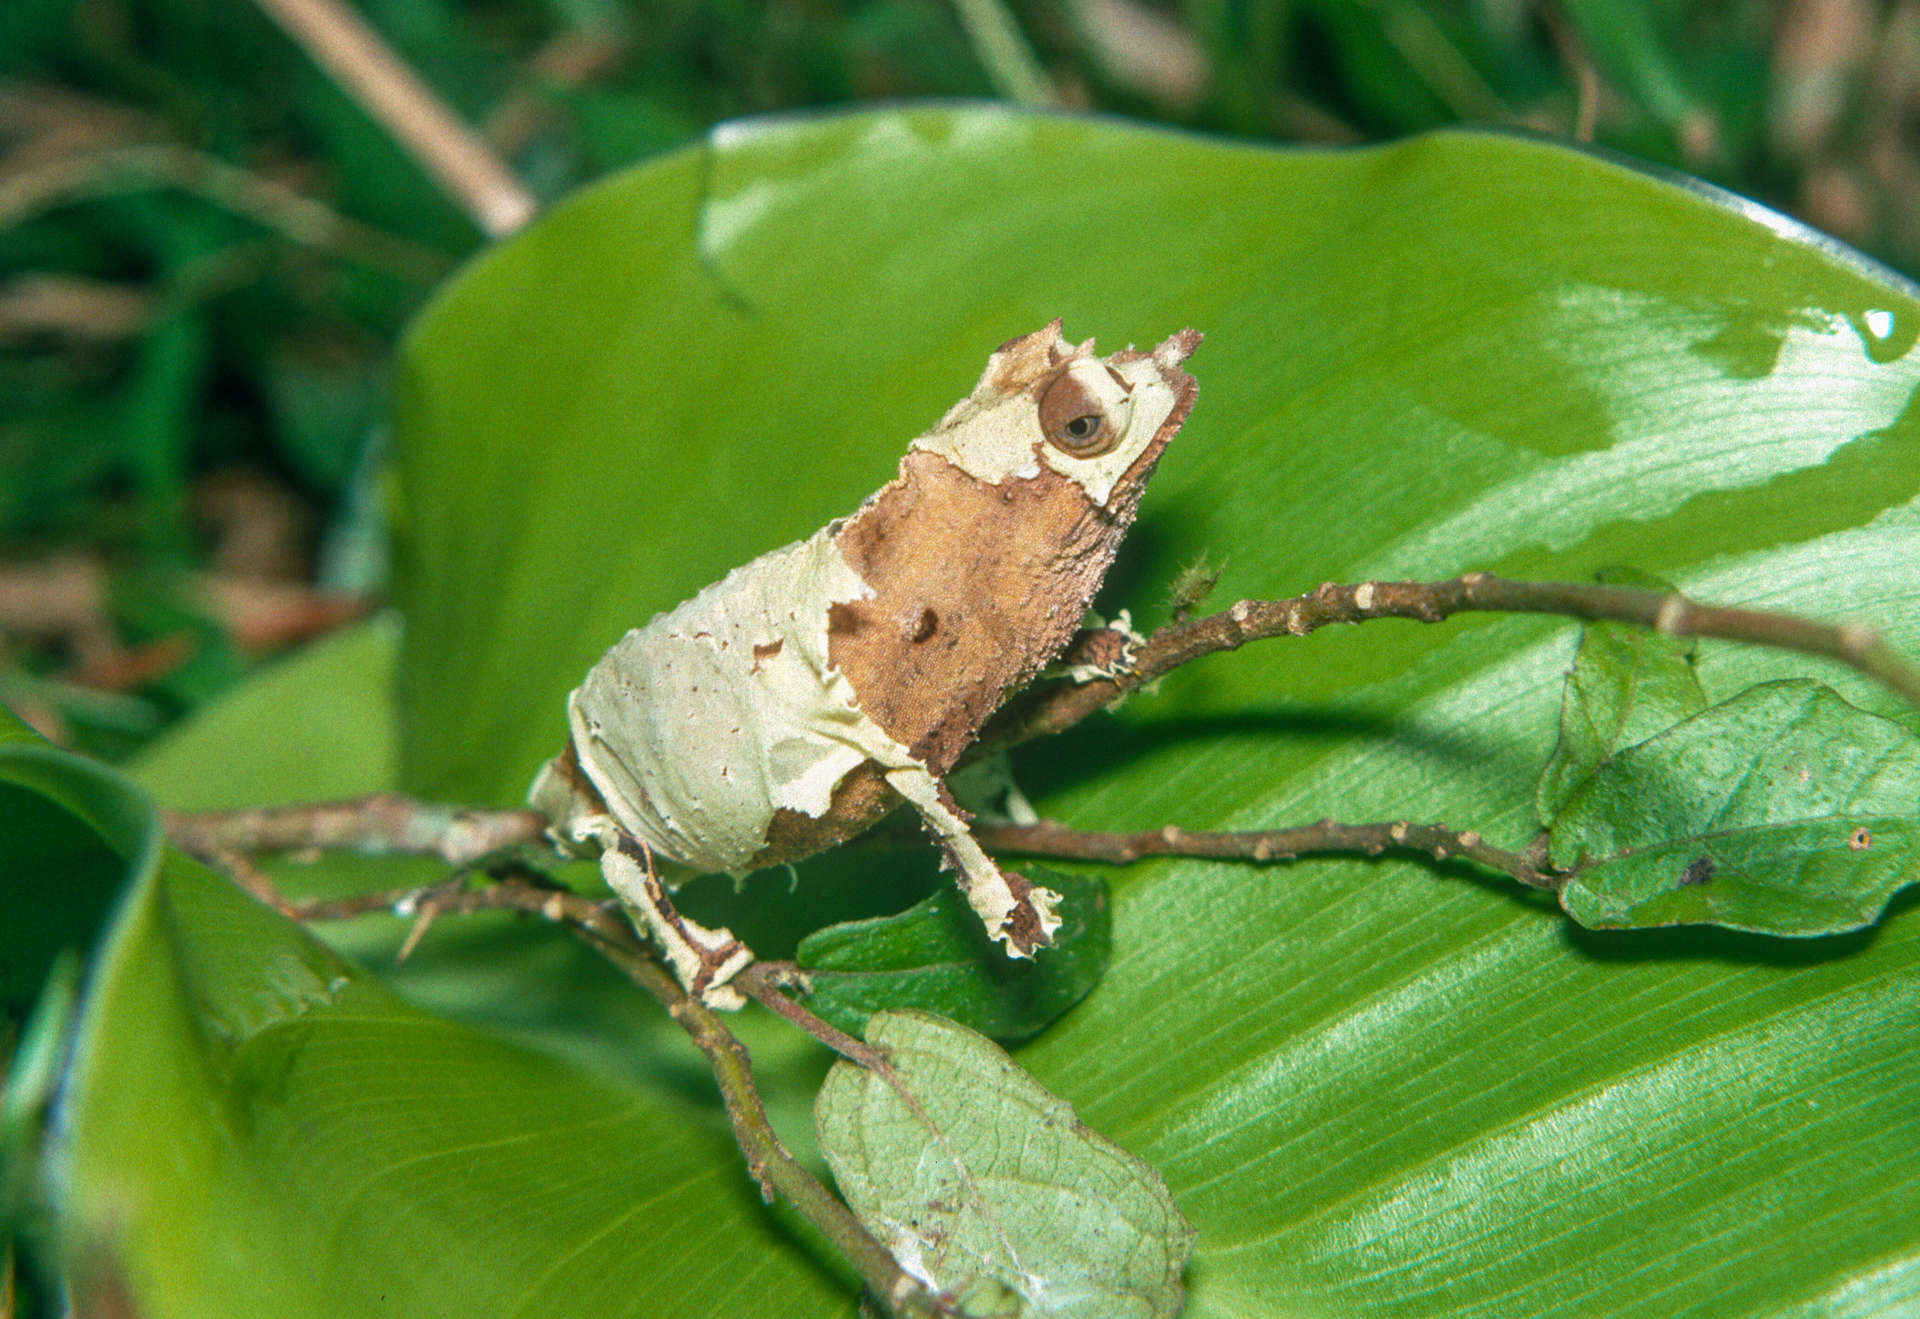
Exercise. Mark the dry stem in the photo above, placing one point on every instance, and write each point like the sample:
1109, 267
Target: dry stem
461, 836
61, 179
761, 982
384, 824
1052, 708
355, 56
1050, 839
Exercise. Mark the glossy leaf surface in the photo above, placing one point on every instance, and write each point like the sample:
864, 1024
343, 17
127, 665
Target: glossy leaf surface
935, 956
1374, 1089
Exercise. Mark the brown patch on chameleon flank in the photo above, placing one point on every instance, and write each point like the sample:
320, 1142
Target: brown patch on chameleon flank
860, 800
1007, 570
1004, 572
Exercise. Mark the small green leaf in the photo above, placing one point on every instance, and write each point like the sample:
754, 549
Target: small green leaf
1627, 684
983, 1184
1784, 810
935, 956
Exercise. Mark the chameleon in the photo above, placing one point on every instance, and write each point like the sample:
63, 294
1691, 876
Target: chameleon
794, 703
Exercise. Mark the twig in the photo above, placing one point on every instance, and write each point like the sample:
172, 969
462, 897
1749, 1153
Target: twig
1004, 53
777, 1171
1051, 708
769, 1162
250, 877
1143, 50
384, 824
356, 57
551, 904
73, 307
761, 983
1579, 66
1437, 841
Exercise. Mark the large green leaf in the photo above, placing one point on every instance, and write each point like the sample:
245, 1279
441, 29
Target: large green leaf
263, 1128
345, 1149
1374, 1090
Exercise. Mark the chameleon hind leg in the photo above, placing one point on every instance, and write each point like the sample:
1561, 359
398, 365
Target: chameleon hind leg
703, 960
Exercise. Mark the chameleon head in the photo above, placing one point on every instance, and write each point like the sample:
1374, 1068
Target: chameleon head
1099, 422
791, 704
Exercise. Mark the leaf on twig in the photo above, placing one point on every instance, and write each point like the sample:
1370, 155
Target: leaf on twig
1785, 810
935, 956
1627, 684
987, 1188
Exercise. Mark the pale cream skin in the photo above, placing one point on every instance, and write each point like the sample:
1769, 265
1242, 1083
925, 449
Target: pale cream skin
698, 727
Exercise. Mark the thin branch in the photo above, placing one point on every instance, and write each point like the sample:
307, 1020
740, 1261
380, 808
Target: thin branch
384, 824
599, 925
1004, 53
769, 1161
1051, 708
762, 981
1579, 66
1050, 839
509, 894
456, 157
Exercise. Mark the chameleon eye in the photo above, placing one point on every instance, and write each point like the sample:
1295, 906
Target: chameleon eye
1077, 420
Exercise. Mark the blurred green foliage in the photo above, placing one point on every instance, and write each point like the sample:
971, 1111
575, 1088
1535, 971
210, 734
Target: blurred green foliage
207, 248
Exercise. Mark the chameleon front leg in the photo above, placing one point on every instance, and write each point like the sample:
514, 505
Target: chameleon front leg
703, 960
1015, 911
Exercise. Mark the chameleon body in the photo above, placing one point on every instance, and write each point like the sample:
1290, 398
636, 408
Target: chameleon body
790, 705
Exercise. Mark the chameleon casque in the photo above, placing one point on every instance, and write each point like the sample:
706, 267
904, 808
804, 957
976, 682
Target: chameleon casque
797, 701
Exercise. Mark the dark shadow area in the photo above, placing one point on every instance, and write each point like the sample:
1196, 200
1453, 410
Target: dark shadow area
1088, 749
772, 910
1124, 587
1706, 943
